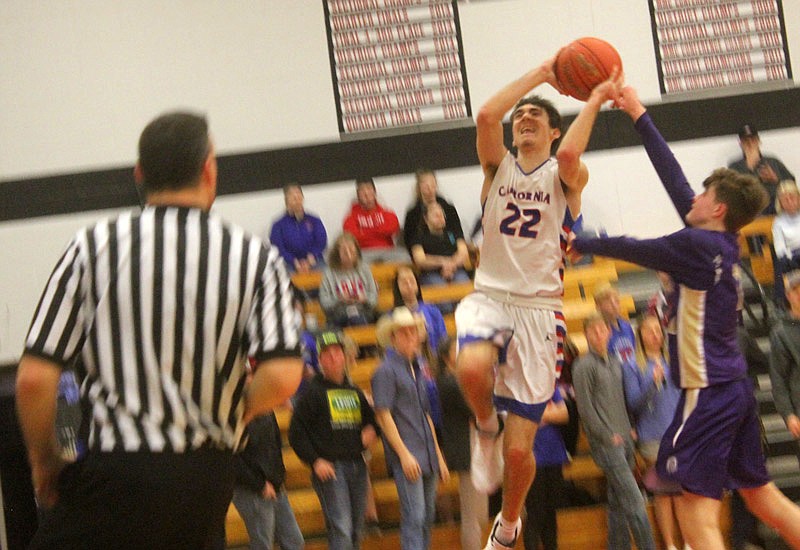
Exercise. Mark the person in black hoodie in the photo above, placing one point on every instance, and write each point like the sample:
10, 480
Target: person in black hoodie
259, 494
331, 426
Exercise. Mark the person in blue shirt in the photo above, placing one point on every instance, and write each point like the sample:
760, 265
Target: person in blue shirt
407, 293
300, 237
652, 398
622, 343
402, 409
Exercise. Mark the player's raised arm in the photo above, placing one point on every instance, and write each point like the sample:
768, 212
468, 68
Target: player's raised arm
661, 157
571, 169
489, 122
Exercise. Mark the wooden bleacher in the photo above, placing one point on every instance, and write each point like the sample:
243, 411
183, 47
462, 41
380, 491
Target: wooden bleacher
761, 261
579, 528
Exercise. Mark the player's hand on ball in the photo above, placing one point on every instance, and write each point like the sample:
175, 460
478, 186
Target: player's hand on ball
629, 102
609, 90
548, 70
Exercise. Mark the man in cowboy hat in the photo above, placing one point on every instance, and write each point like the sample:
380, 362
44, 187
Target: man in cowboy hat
402, 410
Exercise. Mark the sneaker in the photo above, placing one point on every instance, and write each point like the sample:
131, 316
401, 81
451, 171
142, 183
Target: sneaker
486, 460
495, 544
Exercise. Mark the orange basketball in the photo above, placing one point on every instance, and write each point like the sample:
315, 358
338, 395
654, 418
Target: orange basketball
583, 64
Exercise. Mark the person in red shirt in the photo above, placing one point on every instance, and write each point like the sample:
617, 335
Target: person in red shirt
373, 226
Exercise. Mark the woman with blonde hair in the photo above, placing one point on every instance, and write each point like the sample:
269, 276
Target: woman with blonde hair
652, 396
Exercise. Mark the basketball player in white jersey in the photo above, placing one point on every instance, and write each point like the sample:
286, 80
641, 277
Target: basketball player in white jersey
511, 329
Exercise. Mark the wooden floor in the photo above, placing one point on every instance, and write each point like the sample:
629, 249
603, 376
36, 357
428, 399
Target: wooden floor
581, 528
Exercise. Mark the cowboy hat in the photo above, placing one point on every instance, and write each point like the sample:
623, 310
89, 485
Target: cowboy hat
397, 318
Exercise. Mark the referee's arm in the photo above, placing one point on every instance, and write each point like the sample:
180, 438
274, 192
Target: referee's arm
36, 396
274, 381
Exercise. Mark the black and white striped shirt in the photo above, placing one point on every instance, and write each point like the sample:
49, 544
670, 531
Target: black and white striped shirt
159, 312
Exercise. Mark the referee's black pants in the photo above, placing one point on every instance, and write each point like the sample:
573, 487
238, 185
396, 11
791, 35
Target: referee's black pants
141, 500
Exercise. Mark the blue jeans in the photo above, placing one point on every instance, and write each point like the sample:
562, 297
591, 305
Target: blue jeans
417, 509
626, 507
268, 521
343, 501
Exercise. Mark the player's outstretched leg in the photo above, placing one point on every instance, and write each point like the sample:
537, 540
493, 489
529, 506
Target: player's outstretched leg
476, 361
773, 508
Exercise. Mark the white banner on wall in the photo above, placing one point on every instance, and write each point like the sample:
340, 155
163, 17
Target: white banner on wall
396, 64
703, 45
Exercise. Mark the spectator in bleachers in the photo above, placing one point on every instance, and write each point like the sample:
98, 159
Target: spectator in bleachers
406, 290
427, 193
652, 396
786, 235
658, 304
331, 426
402, 409
547, 491
259, 494
373, 226
351, 352
348, 292
769, 170
784, 360
601, 402
456, 420
439, 255
571, 430
299, 236
622, 343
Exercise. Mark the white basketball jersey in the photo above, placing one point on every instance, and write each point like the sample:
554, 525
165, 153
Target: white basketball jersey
524, 237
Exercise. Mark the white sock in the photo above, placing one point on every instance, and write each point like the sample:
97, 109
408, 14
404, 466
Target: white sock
506, 530
489, 425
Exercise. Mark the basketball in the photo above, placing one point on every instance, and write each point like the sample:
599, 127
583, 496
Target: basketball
583, 64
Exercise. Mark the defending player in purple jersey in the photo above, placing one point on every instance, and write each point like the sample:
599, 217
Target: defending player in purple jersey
713, 442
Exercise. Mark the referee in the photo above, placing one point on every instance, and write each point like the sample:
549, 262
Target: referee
159, 311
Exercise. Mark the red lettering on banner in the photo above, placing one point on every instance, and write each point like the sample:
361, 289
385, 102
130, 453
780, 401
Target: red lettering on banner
415, 99
410, 31
442, 28
406, 116
385, 34
764, 7
366, 104
776, 72
452, 94
346, 6
393, 17
359, 123
395, 3
356, 55
441, 10
454, 111
407, 82
400, 49
364, 71
346, 38
446, 44
411, 65
362, 87
447, 60
352, 21
449, 78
